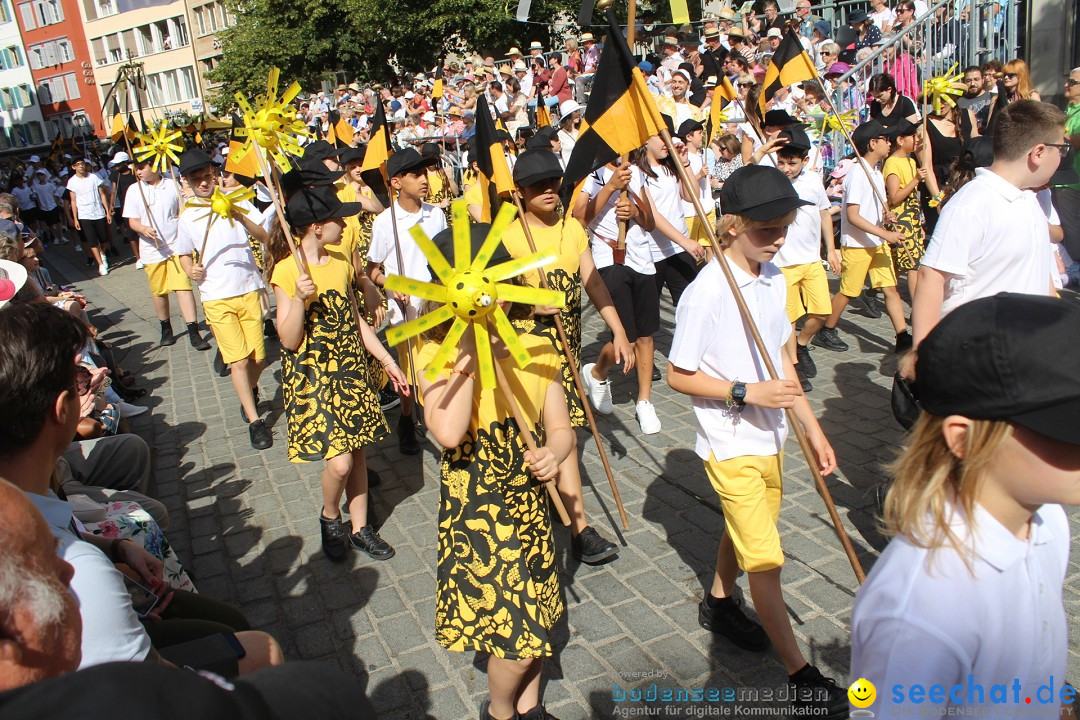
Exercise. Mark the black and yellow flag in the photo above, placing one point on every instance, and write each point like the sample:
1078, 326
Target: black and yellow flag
494, 178
437, 86
57, 145
379, 148
543, 116
248, 166
621, 114
339, 132
790, 64
723, 95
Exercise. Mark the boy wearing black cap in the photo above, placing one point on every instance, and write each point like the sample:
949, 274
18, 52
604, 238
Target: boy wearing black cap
800, 257
863, 236
692, 133
229, 283
407, 172
975, 514
740, 418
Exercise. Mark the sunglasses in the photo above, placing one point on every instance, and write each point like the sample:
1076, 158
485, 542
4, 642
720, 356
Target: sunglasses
1071, 83
1010, 75
1063, 148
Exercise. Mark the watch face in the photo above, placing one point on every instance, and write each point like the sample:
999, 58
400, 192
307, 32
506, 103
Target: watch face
739, 391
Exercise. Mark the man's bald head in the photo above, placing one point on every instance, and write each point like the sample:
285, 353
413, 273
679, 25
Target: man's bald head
40, 625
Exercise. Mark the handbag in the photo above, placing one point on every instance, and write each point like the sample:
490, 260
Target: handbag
905, 401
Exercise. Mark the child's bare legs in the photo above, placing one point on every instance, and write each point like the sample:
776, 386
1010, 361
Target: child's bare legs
894, 306
161, 307
245, 376
186, 300
356, 490
809, 329
912, 280
334, 478
839, 304
643, 354
569, 485
513, 686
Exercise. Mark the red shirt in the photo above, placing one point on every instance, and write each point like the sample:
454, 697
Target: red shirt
559, 85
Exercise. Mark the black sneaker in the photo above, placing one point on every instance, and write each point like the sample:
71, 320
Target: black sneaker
269, 331
198, 341
261, 437
818, 695
537, 713
806, 386
904, 342
656, 374
407, 441
167, 337
829, 339
728, 619
388, 397
255, 397
334, 541
590, 547
219, 365
805, 361
871, 306
369, 542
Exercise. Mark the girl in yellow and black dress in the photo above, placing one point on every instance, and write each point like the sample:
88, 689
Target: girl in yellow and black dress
330, 406
441, 187
538, 176
498, 585
902, 178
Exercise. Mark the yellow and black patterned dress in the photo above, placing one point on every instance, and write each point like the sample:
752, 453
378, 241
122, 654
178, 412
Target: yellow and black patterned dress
566, 241
331, 407
498, 584
908, 216
438, 190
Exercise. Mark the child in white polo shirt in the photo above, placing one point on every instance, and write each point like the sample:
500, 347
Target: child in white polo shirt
966, 600
740, 419
863, 235
408, 178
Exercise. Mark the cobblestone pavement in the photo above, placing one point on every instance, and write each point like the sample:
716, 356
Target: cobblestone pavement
244, 523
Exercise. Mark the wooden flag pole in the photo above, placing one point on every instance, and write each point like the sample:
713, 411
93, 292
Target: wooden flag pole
620, 244
526, 435
744, 310
275, 196
401, 269
122, 77
572, 364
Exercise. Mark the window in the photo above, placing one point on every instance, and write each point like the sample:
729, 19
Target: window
105, 8
10, 57
64, 51
172, 86
5, 13
26, 11
59, 89
48, 12
50, 54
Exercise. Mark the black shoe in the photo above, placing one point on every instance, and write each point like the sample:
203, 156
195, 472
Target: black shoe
269, 331
261, 437
388, 397
128, 394
537, 713
655, 374
904, 342
255, 397
829, 339
369, 542
590, 547
728, 619
819, 695
219, 365
407, 441
198, 341
334, 539
806, 386
167, 337
89, 260
805, 361
871, 304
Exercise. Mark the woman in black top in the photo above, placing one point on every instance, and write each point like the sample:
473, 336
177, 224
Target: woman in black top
888, 106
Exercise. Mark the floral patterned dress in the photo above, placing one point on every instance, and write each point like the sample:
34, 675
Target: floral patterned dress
127, 519
498, 586
908, 216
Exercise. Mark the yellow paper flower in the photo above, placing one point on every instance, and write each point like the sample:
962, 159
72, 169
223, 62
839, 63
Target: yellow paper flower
159, 148
222, 205
942, 89
828, 122
272, 123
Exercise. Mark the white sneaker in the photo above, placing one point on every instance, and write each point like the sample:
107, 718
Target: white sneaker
139, 265
103, 269
646, 417
78, 247
599, 391
56, 241
128, 410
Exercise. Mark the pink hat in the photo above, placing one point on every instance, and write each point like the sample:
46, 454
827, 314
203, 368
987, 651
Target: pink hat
842, 168
837, 68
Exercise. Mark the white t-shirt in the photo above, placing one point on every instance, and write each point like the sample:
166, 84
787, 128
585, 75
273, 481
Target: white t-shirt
704, 191
164, 208
605, 226
45, 195
433, 221
991, 237
88, 203
711, 336
667, 197
923, 618
745, 129
25, 197
882, 18
567, 141
859, 191
230, 265
802, 243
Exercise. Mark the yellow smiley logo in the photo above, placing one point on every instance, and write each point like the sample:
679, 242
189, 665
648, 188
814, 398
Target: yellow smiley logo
862, 693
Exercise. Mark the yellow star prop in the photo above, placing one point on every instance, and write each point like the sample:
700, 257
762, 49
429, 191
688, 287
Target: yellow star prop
222, 204
827, 122
158, 147
470, 294
272, 123
942, 89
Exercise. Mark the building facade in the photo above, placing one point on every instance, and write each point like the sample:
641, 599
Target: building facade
22, 126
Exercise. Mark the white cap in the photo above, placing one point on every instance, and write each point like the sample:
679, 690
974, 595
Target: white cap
120, 157
429, 116
34, 158
567, 107
775, 32
408, 96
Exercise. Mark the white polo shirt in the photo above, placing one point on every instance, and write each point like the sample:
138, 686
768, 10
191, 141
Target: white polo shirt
991, 237
381, 250
697, 160
859, 191
230, 265
666, 193
710, 336
802, 244
605, 226
923, 618
164, 209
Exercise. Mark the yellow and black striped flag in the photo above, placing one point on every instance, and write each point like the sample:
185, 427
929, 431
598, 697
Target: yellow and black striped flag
790, 64
339, 132
494, 178
248, 165
379, 148
543, 116
621, 114
437, 85
723, 95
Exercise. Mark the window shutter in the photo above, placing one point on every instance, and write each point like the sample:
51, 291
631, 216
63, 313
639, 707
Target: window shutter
72, 86
50, 54
27, 11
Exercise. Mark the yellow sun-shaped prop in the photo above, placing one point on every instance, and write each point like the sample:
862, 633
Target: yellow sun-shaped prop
828, 122
159, 147
470, 294
942, 89
272, 123
221, 204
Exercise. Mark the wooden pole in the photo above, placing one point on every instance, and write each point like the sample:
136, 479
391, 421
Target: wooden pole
572, 363
275, 196
205, 237
122, 77
401, 269
620, 243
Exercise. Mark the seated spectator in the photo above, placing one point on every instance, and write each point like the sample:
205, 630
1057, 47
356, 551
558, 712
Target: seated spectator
889, 106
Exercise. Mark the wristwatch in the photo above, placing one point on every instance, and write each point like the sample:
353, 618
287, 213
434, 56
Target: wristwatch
738, 394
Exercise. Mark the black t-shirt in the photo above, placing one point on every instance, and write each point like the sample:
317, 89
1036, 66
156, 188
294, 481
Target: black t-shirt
904, 108
122, 181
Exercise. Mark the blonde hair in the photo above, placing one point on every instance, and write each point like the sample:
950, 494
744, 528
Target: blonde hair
742, 224
930, 481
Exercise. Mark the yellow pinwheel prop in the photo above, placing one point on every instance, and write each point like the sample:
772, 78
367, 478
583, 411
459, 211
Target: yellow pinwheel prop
829, 122
159, 147
943, 88
272, 123
470, 293
221, 204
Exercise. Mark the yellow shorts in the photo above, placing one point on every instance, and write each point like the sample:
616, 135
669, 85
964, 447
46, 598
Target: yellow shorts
750, 488
807, 290
166, 276
857, 261
696, 230
237, 326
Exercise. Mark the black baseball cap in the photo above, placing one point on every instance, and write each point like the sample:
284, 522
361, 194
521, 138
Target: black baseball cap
759, 192
688, 127
194, 159
857, 16
797, 139
317, 204
308, 172
539, 142
478, 233
778, 118
321, 150
535, 165
866, 132
404, 160
431, 151
901, 128
352, 154
1007, 357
